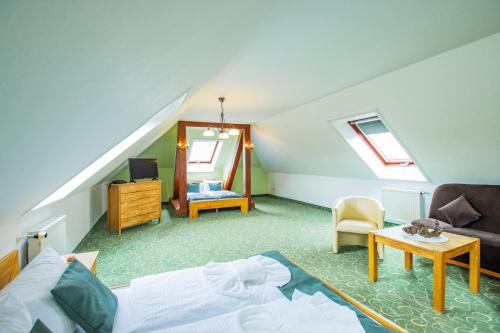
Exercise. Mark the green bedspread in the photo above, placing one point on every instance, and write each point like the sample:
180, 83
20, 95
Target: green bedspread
309, 285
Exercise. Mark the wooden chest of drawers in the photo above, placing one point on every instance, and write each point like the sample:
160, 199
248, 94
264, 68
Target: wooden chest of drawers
133, 203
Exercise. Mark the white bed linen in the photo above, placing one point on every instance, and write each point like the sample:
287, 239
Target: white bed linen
343, 318
177, 298
122, 317
305, 314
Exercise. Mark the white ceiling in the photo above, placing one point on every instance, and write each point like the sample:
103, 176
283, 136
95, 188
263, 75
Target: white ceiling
79, 77
304, 50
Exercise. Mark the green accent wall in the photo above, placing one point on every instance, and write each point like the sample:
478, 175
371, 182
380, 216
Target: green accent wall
163, 150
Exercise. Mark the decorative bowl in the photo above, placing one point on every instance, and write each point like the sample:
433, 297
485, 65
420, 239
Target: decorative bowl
424, 230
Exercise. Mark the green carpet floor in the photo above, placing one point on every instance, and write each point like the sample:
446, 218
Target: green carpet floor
303, 234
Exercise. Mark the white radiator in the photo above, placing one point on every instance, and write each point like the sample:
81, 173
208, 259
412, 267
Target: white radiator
402, 206
51, 232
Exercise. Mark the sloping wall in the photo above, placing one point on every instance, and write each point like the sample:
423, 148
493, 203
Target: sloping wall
445, 110
79, 78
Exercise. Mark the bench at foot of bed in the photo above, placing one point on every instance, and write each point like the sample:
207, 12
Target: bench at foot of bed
195, 206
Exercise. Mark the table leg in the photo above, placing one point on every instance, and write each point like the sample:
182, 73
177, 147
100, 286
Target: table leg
372, 257
408, 260
474, 267
439, 282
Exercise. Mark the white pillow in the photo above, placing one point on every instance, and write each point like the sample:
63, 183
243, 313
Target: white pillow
33, 285
14, 316
204, 187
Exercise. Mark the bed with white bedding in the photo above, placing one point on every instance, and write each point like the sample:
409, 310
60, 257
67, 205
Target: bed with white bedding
240, 311
263, 293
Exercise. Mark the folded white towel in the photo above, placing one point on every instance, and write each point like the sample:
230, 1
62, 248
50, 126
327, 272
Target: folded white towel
180, 297
250, 271
343, 318
304, 314
223, 279
238, 278
276, 273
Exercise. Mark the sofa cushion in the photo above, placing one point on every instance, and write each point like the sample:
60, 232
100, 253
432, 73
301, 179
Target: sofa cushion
459, 212
431, 222
486, 238
484, 198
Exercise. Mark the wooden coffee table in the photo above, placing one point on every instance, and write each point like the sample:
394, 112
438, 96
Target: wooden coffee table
440, 253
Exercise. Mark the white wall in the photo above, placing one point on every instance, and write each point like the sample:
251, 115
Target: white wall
325, 191
445, 110
82, 211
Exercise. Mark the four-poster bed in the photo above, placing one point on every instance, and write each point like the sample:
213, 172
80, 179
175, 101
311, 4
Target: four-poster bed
180, 201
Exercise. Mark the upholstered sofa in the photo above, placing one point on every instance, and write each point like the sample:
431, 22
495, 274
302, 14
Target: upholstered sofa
485, 199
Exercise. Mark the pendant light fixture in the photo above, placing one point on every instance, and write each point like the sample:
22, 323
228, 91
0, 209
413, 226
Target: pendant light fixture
223, 133
208, 132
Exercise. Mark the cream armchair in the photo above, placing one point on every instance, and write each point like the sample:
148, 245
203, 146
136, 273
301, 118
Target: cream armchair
353, 218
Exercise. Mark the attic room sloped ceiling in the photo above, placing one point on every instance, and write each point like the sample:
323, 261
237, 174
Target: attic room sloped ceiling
79, 77
304, 50
445, 110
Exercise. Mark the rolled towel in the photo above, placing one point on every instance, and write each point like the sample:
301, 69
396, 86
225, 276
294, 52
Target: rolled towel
277, 274
232, 278
250, 271
223, 279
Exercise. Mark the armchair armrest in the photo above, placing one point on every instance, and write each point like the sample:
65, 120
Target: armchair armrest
337, 212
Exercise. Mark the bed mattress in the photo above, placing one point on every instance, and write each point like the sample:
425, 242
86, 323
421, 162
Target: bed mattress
122, 317
212, 195
300, 280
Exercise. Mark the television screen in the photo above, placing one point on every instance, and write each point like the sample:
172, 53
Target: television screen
143, 168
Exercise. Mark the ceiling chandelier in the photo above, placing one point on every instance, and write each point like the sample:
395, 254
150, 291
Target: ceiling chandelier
224, 131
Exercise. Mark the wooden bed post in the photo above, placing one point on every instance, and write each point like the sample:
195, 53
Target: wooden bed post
181, 169
247, 166
236, 161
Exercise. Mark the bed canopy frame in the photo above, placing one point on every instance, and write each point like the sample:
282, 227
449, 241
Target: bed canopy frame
244, 147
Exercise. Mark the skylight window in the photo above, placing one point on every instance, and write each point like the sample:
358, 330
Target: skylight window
381, 141
378, 147
203, 151
203, 155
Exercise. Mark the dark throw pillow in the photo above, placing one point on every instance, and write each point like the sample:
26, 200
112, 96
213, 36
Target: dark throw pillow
215, 186
85, 299
459, 212
40, 327
193, 188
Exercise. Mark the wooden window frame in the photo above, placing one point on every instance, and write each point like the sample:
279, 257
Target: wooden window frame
211, 157
373, 147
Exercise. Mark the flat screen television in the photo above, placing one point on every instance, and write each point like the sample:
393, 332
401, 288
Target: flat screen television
141, 168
